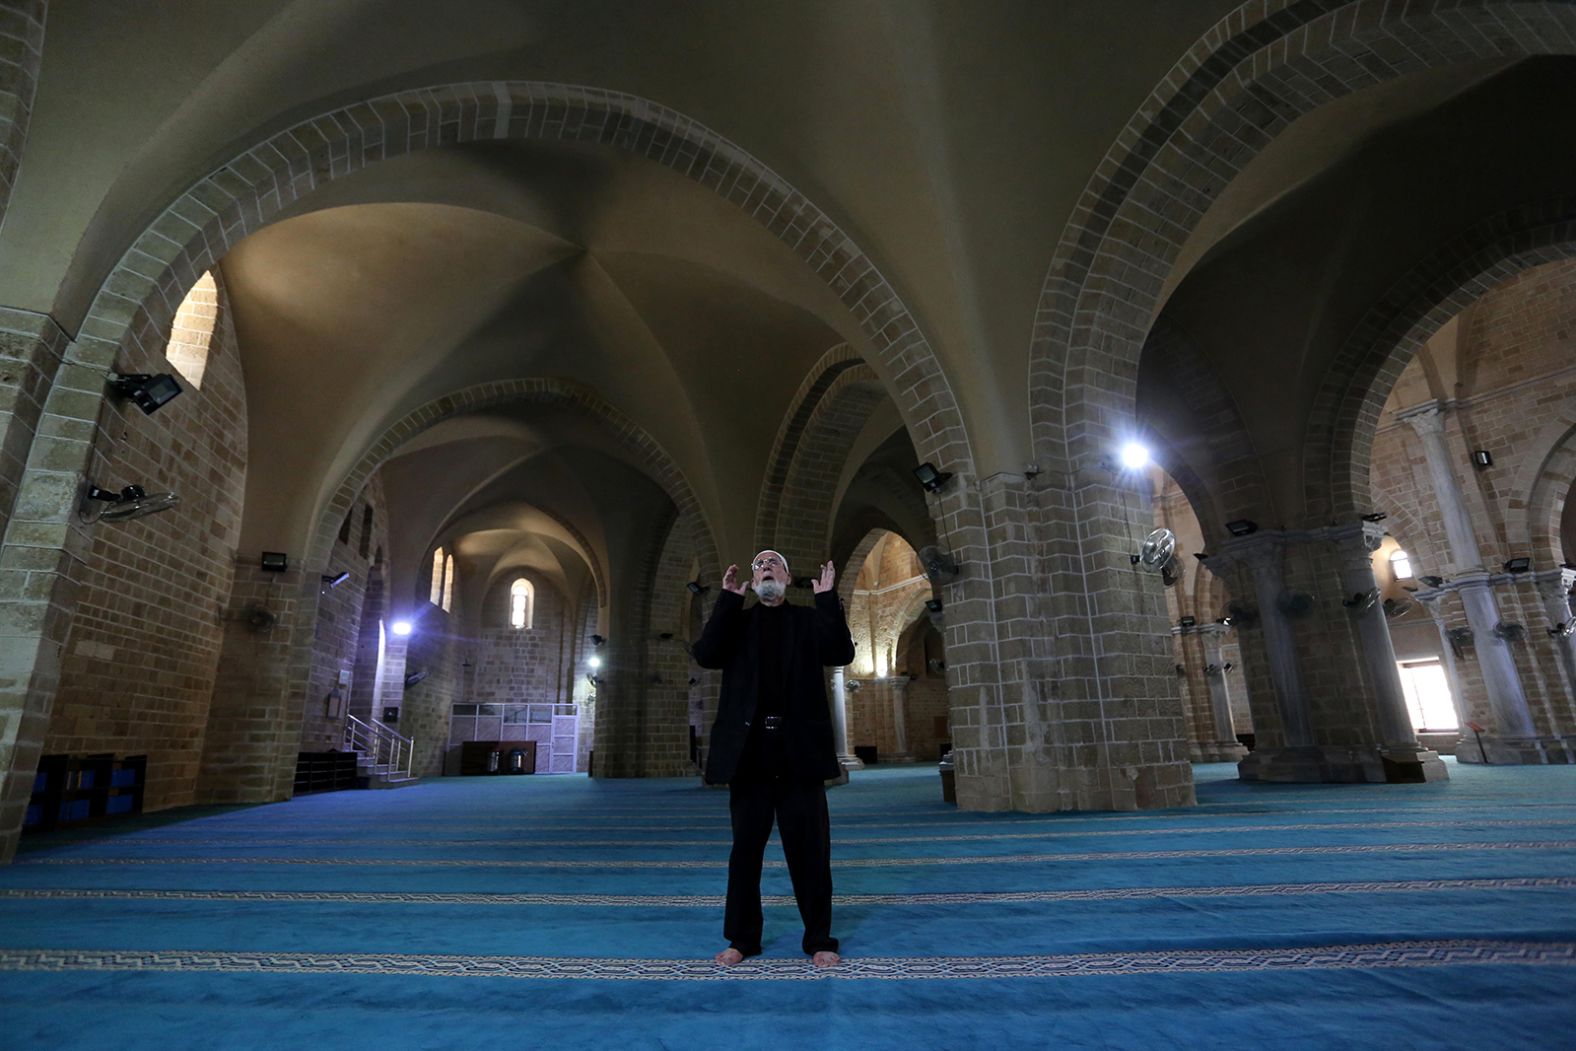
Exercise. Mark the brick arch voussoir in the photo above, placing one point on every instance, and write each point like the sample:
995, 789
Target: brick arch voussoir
1346, 412
137, 302
647, 452
1240, 85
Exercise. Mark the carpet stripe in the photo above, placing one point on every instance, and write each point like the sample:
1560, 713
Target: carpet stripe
723, 840
710, 901
1380, 955
986, 859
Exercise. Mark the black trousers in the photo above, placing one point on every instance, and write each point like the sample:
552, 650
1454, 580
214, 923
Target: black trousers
799, 807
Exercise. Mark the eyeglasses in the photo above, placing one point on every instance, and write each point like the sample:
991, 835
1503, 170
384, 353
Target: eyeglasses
762, 563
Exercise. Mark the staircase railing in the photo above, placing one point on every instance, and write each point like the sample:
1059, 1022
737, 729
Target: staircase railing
383, 747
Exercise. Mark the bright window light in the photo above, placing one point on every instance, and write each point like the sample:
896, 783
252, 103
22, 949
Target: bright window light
1134, 456
401, 627
1401, 565
520, 603
595, 662
1427, 695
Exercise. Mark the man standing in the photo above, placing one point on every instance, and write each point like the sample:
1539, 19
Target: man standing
772, 744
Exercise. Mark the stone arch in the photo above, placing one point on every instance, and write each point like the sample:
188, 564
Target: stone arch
1230, 457
1540, 490
790, 433
563, 393
1347, 409
1236, 89
25, 28
137, 301
802, 523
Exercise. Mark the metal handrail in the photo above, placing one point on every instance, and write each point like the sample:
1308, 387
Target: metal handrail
387, 748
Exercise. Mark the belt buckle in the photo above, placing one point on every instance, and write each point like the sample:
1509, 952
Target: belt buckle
772, 722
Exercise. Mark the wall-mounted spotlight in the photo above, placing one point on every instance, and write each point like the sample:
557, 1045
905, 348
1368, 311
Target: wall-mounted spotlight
402, 628
1482, 458
1518, 565
1375, 516
414, 677
594, 662
1433, 582
273, 562
1564, 630
333, 580
697, 588
934, 605
131, 502
1242, 527
851, 684
664, 635
931, 478
597, 640
1202, 556
1187, 622
149, 392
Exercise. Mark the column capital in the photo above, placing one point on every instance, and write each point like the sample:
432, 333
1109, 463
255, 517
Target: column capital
1554, 583
1427, 418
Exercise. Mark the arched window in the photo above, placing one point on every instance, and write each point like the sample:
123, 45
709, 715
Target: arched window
192, 331
522, 603
1401, 565
448, 583
436, 595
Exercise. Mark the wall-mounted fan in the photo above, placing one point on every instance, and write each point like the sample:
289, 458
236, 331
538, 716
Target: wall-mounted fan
1159, 553
260, 618
940, 567
1362, 601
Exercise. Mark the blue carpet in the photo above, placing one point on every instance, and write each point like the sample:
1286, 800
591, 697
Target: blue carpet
585, 913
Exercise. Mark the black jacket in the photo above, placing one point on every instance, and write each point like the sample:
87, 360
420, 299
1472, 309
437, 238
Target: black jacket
816, 637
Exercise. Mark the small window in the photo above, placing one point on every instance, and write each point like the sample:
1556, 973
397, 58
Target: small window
521, 601
366, 530
192, 331
436, 594
1401, 565
344, 529
448, 583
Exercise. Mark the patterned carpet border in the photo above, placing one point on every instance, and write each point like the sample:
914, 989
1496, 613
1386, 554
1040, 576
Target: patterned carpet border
1381, 955
711, 901
723, 840
987, 859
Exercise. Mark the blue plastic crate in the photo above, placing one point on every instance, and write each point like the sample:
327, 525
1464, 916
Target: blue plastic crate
118, 805
76, 810
123, 778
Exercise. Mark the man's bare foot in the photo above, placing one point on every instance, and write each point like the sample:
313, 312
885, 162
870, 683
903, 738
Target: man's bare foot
826, 958
729, 956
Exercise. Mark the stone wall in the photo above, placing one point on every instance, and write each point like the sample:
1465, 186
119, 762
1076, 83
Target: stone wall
139, 668
517, 665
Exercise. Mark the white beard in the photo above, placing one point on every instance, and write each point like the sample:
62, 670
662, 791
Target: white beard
771, 590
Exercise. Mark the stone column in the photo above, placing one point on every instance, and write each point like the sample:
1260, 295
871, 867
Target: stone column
839, 691
1263, 556
1554, 587
1500, 678
1226, 747
1405, 759
899, 687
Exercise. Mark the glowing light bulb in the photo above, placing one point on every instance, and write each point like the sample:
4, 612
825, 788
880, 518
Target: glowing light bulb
595, 662
402, 627
1134, 456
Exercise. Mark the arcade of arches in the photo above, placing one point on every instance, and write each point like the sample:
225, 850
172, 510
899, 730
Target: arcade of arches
503, 329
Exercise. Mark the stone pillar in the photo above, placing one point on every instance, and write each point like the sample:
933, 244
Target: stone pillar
1263, 556
1225, 748
839, 692
1507, 699
899, 689
1554, 588
1405, 759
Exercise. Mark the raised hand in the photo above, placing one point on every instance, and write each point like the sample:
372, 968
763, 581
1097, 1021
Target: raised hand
825, 581
731, 581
